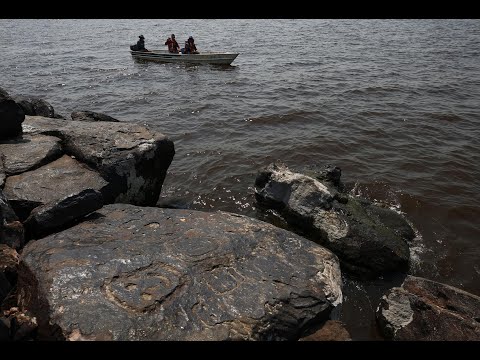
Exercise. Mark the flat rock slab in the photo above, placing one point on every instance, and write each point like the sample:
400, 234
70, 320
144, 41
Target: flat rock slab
422, 309
133, 159
50, 183
29, 152
139, 273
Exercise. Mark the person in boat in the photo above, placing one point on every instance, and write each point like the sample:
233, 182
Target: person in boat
141, 43
172, 44
191, 45
186, 48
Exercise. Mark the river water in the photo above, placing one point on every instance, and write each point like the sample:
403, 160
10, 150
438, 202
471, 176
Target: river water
393, 103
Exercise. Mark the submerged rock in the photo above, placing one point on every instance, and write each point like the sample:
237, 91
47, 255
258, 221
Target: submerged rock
139, 273
369, 240
422, 309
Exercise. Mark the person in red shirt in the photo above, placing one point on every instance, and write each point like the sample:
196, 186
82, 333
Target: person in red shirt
172, 44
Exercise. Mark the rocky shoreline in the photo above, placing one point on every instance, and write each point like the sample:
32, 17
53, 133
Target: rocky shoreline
86, 255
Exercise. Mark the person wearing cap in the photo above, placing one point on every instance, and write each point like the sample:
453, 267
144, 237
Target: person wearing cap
172, 44
141, 44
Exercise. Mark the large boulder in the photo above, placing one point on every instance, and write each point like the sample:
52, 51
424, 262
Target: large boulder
422, 309
11, 118
50, 183
29, 152
140, 273
11, 229
91, 116
369, 240
130, 157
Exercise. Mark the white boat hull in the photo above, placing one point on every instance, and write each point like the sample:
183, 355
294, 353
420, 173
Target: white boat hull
202, 58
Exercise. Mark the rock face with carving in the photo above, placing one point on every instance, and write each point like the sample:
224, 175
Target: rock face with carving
139, 273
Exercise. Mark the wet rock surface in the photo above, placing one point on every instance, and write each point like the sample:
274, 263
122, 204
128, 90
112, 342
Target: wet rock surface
369, 240
422, 309
137, 273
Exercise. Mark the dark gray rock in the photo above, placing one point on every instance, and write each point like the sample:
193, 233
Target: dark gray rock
133, 159
34, 106
368, 247
422, 309
140, 273
56, 180
8, 270
369, 240
56, 215
29, 152
11, 229
11, 118
91, 116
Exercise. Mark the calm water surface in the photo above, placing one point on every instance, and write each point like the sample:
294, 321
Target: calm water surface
394, 103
